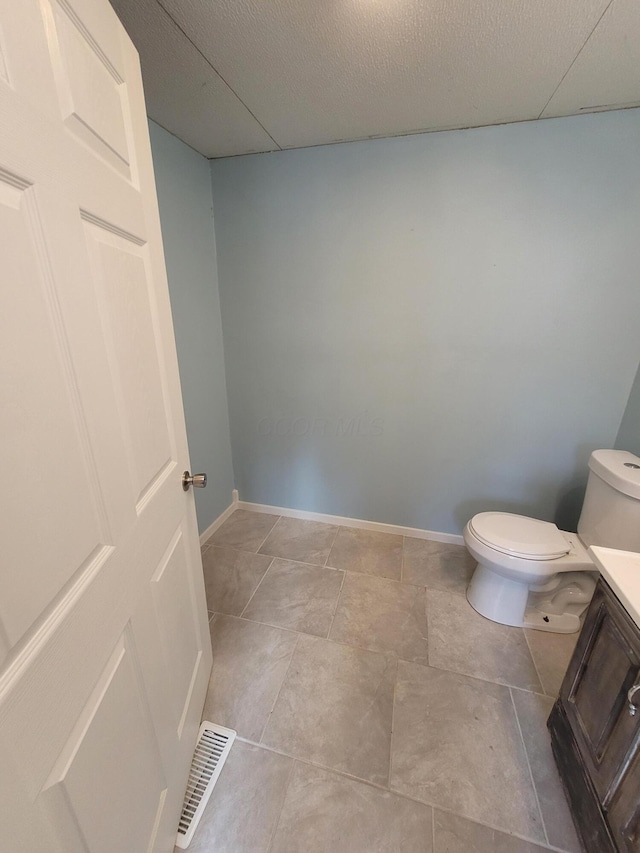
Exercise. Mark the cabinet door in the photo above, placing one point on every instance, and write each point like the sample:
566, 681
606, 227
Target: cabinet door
605, 665
624, 811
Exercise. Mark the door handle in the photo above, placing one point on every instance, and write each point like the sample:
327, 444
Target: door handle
630, 697
198, 481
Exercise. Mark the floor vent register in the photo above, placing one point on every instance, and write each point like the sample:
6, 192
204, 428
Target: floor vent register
212, 748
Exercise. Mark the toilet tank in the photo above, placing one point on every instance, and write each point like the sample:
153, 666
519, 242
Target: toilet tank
611, 511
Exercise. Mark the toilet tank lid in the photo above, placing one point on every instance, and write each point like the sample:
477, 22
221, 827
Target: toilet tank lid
519, 535
619, 468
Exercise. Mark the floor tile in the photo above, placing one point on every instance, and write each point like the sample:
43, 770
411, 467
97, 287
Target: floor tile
297, 596
457, 745
326, 812
243, 810
249, 665
244, 530
231, 577
335, 708
454, 834
463, 641
551, 654
533, 711
382, 615
367, 551
304, 541
438, 565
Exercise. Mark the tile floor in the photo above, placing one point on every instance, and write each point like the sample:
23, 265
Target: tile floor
376, 711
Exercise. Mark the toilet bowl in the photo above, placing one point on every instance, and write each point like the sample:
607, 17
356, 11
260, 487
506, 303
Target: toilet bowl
530, 573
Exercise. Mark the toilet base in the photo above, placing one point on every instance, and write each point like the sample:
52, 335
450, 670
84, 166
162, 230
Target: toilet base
496, 597
566, 623
556, 607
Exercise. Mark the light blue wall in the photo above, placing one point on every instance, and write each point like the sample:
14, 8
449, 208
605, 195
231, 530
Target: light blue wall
629, 432
466, 303
184, 197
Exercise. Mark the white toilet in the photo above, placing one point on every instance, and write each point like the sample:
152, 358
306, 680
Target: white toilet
531, 574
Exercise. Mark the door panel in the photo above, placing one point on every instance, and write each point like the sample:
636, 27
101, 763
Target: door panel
624, 811
606, 664
43, 402
178, 631
91, 88
104, 642
116, 714
121, 278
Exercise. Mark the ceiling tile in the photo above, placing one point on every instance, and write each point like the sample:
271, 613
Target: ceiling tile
183, 93
607, 71
318, 71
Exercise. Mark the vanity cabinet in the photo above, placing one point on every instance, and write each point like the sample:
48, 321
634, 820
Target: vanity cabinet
595, 731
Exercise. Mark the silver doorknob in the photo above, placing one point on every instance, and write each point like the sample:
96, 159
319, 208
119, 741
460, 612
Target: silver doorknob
198, 481
631, 695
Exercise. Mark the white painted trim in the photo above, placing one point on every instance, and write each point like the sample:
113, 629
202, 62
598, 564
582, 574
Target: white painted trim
360, 523
220, 520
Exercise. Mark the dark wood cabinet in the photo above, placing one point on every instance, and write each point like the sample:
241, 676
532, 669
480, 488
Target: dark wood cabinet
595, 737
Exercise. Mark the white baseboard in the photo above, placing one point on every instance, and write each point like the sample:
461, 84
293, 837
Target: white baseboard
360, 523
211, 529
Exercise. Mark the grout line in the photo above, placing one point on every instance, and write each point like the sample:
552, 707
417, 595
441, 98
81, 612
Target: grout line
389, 790
433, 829
301, 760
276, 825
378, 652
264, 728
211, 544
277, 521
393, 716
254, 592
333, 568
526, 755
335, 609
575, 58
535, 665
326, 562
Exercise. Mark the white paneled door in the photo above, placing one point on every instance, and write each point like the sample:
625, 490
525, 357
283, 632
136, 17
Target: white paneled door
104, 643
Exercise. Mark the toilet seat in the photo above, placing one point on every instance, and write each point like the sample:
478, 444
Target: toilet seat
519, 536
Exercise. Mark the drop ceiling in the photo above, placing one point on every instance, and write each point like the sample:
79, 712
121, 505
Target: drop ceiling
239, 76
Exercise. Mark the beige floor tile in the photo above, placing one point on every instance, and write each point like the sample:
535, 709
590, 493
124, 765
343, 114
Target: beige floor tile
231, 577
243, 810
533, 711
244, 530
324, 812
438, 565
297, 596
382, 615
367, 551
334, 709
551, 655
463, 641
454, 834
304, 541
249, 664
457, 745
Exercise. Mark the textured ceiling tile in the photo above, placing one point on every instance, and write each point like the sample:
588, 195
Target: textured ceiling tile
607, 71
316, 71
183, 93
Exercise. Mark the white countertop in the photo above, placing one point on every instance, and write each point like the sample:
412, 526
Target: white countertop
621, 570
